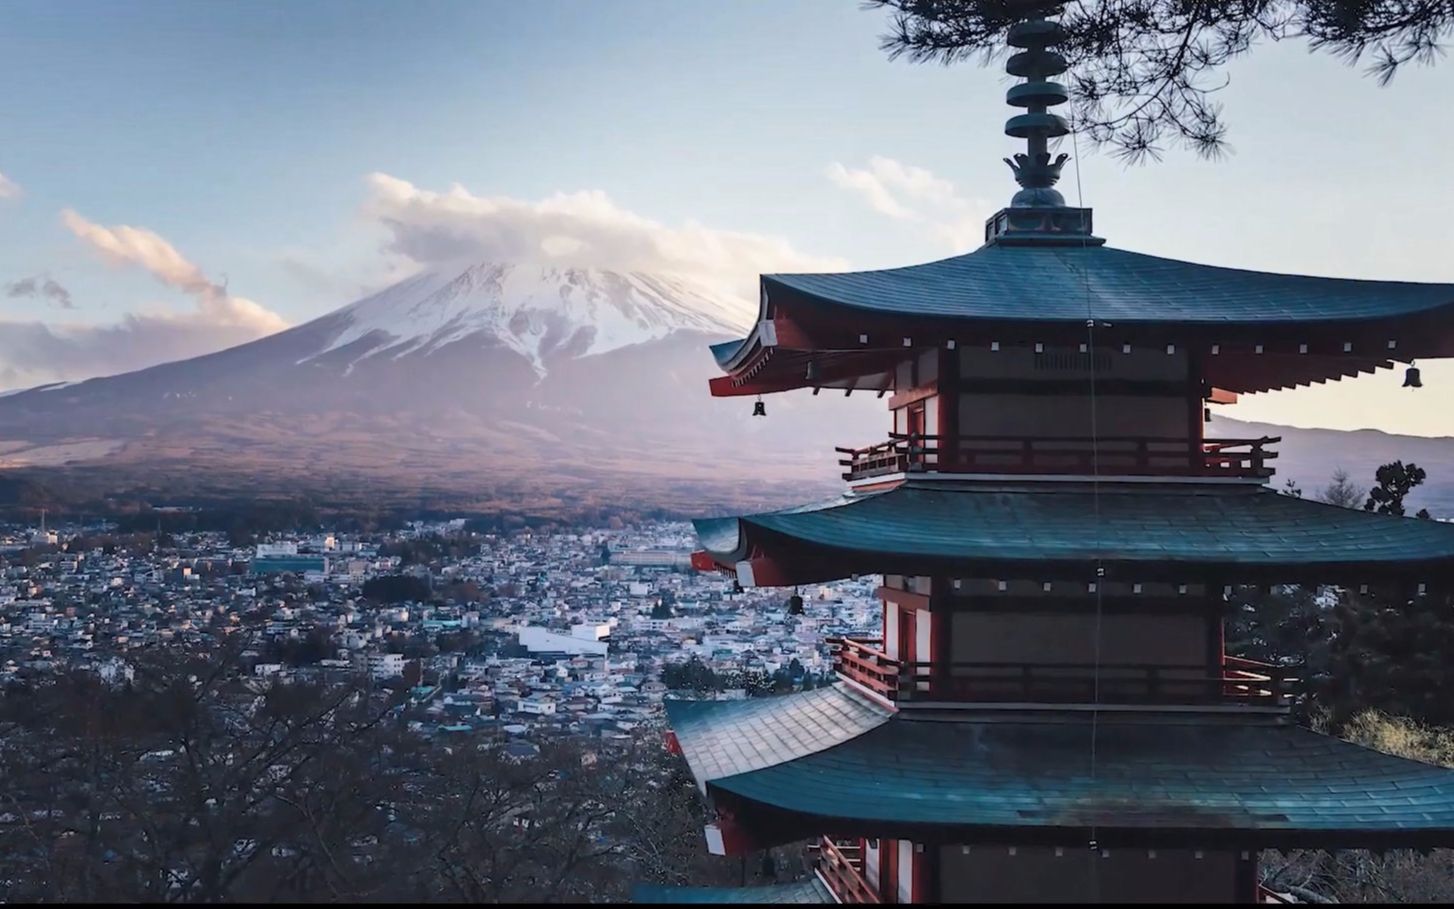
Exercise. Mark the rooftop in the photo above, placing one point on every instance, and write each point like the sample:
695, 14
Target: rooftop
1041, 529
807, 891
1063, 283
1159, 778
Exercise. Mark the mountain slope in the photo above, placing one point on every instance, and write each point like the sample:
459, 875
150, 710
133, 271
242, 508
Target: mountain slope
502, 327
538, 313
491, 377
508, 386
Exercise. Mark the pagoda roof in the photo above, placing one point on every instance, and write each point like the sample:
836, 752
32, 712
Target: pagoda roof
1063, 283
731, 737
1272, 330
806, 891
1030, 529
1164, 777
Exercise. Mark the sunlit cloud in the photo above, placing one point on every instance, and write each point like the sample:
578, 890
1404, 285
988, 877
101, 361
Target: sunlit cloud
34, 352
584, 228
916, 196
127, 245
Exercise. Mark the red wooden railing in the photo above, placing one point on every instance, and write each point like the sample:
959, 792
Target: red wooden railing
840, 865
1119, 455
875, 460
859, 660
1236, 681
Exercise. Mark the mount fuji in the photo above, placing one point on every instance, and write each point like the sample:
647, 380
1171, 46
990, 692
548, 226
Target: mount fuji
492, 385
540, 313
501, 388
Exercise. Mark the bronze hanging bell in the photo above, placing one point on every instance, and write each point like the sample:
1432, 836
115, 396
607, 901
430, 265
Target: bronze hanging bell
1411, 377
795, 605
759, 409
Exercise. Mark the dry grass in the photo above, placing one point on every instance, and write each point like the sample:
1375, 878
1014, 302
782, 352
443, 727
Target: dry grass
1403, 737
1360, 876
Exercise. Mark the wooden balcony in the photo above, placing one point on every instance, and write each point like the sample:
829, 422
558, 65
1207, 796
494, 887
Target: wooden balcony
1236, 681
1110, 456
840, 865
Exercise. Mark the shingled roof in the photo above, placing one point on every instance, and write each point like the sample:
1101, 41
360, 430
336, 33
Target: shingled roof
1260, 330
1062, 283
806, 891
1181, 777
920, 527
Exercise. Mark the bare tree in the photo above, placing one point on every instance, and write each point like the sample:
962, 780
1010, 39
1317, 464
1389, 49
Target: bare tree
175, 786
194, 782
1342, 492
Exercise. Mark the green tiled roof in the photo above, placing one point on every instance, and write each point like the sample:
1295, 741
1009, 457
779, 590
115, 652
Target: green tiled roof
1157, 772
725, 351
725, 738
997, 526
1057, 283
808, 891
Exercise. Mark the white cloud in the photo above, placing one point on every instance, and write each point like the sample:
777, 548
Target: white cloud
871, 188
584, 228
126, 245
425, 228
33, 352
9, 189
915, 195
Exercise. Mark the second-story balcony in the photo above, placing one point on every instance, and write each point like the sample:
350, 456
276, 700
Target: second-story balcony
1108, 456
1235, 682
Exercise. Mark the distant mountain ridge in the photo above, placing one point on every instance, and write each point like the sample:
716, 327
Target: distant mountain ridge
492, 380
496, 384
1310, 456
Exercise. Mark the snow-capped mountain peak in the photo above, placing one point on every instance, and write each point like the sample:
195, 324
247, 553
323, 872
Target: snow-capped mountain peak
539, 311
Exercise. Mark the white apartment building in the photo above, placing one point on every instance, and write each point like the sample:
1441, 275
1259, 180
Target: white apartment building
379, 666
537, 705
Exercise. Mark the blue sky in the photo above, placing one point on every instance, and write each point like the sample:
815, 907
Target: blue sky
242, 137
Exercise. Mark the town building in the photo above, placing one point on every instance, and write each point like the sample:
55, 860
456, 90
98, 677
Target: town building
275, 558
378, 666
542, 640
97, 599
653, 558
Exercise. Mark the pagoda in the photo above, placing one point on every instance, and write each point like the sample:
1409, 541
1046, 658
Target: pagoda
1049, 712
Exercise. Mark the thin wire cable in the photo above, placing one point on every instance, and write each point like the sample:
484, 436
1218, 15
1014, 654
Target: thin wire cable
1090, 347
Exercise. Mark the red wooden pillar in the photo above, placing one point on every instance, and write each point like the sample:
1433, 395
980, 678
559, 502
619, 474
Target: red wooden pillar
948, 402
884, 612
915, 427
1195, 424
925, 876
888, 878
940, 652
908, 652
